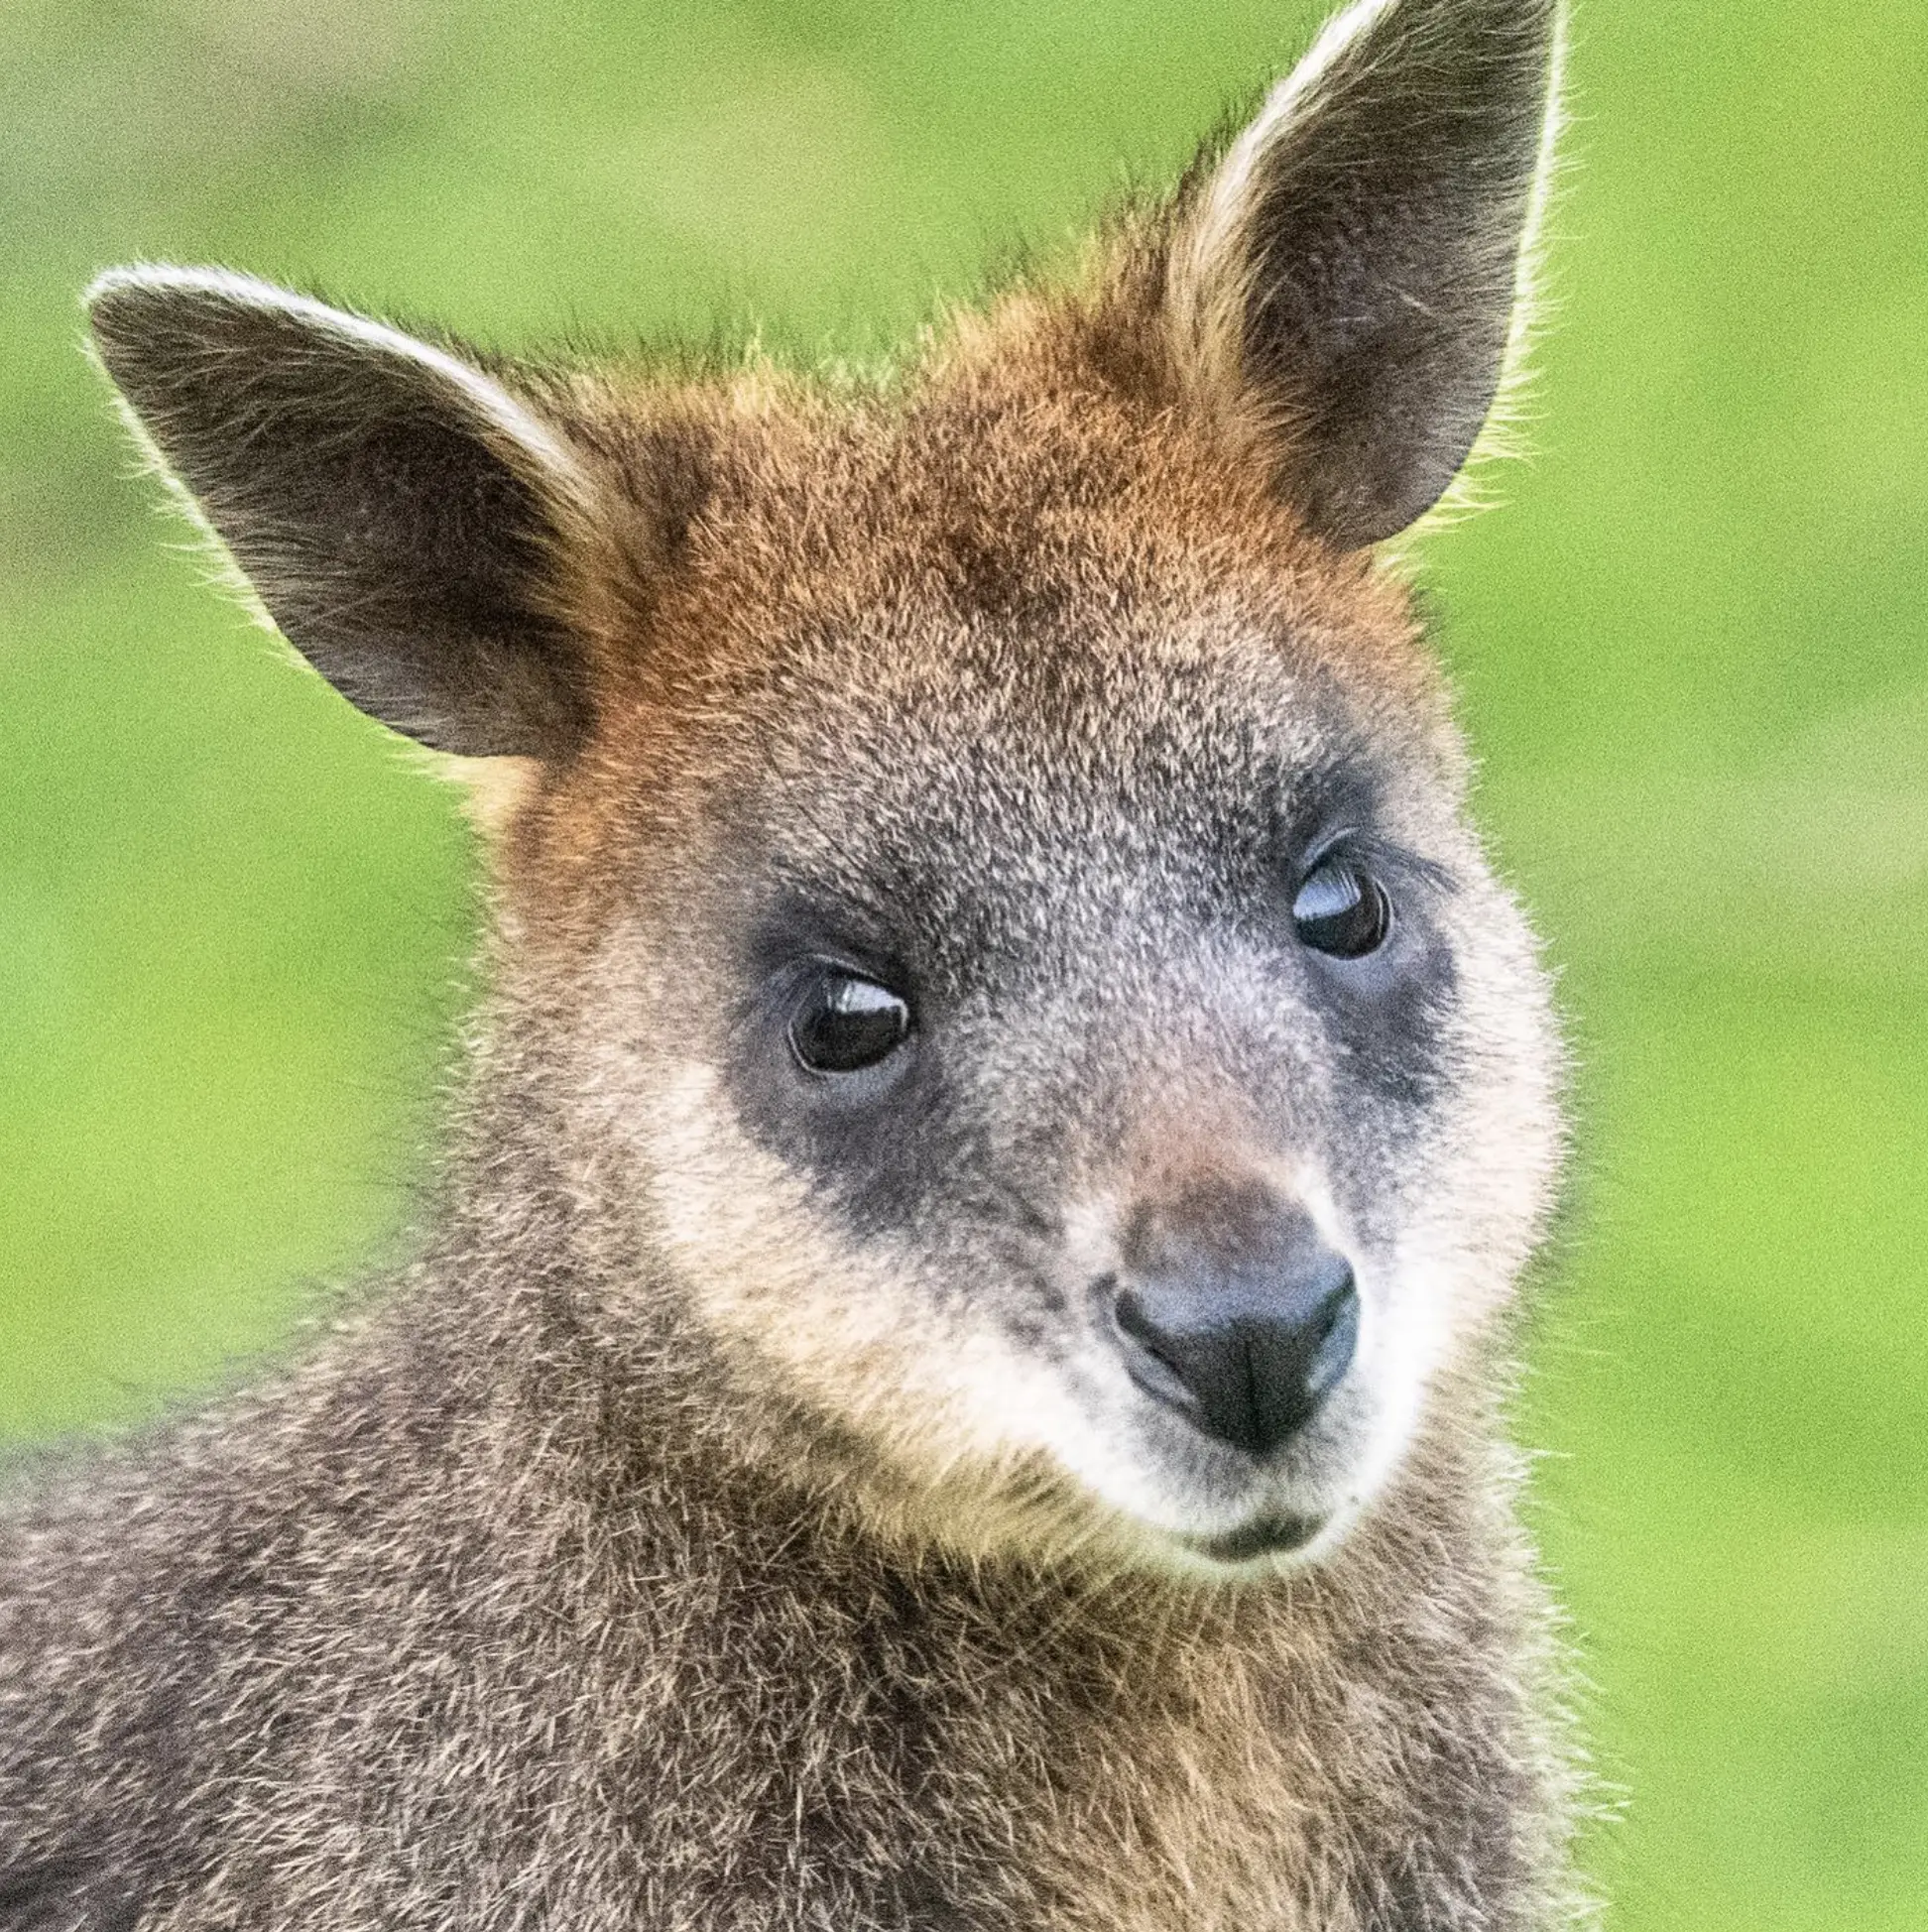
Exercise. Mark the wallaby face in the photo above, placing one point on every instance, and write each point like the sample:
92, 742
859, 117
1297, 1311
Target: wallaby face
990, 934
1061, 1043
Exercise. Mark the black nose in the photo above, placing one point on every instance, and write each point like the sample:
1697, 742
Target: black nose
1247, 1347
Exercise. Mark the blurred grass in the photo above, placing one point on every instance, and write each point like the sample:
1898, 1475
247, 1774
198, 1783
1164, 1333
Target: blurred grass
233, 921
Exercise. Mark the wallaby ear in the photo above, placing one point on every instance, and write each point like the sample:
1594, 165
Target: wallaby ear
398, 511
1345, 279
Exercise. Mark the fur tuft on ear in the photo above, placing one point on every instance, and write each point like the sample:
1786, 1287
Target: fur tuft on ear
398, 511
1342, 283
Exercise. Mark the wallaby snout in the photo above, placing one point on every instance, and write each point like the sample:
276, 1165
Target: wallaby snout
1245, 1323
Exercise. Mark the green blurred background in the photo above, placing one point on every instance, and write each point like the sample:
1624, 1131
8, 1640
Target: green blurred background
234, 919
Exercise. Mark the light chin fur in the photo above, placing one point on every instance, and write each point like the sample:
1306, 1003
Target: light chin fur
1081, 1498
1198, 1523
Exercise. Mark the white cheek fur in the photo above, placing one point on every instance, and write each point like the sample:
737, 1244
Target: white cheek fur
955, 1404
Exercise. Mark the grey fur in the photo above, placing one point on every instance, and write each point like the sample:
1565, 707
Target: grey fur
740, 1517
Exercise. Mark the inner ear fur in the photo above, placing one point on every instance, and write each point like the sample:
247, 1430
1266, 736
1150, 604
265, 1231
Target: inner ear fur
399, 513
1342, 280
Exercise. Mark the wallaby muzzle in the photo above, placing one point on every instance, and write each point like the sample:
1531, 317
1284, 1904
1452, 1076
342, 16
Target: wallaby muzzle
1246, 1338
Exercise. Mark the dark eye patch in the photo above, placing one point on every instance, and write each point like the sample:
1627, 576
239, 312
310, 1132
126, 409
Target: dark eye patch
829, 1064
1366, 921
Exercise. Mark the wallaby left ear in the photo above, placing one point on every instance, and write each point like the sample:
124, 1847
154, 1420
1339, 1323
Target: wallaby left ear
1345, 281
399, 512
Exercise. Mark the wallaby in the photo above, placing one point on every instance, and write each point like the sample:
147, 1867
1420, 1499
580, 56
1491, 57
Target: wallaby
954, 1376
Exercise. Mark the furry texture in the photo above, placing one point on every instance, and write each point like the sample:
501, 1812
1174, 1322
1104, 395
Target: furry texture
743, 1514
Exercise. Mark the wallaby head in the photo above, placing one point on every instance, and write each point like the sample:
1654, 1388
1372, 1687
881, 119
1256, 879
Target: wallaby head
992, 954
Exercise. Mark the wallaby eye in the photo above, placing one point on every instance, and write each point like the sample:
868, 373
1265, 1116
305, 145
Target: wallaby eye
1342, 910
843, 1023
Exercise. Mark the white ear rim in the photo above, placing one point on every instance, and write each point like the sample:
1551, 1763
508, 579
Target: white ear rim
1226, 200
1204, 299
488, 399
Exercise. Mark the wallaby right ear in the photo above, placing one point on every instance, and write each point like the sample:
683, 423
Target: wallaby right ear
1345, 279
399, 512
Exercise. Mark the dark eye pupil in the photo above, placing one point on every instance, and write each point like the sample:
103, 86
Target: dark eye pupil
844, 1023
1342, 911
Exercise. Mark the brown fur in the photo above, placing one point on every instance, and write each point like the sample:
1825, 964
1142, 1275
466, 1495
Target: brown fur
717, 1527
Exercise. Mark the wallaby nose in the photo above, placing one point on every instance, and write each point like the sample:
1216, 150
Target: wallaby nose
1245, 1346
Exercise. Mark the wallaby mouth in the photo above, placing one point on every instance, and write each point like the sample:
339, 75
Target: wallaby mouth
1272, 1534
